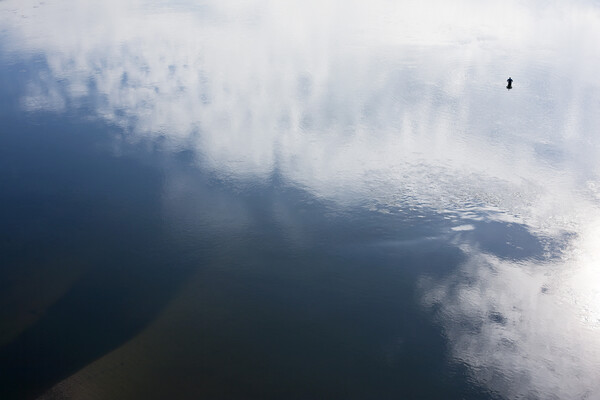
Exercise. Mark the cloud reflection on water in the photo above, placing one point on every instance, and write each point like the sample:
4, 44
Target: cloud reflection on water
344, 101
387, 105
527, 329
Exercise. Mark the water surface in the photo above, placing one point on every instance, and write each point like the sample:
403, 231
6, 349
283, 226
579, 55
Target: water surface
316, 199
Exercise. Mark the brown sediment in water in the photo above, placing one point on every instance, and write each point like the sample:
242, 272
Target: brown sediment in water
213, 340
169, 358
32, 289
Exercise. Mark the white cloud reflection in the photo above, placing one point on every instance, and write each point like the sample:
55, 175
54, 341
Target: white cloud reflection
525, 329
381, 103
343, 99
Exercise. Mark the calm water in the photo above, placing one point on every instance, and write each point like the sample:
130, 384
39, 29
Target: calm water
299, 200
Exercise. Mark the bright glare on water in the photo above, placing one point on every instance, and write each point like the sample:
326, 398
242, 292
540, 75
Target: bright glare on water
299, 199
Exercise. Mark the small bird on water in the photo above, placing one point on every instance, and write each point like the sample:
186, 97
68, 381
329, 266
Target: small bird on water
509, 80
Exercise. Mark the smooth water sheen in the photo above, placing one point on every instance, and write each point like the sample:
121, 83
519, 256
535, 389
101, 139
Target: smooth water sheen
299, 199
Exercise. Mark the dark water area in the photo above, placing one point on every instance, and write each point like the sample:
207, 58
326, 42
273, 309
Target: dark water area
339, 310
272, 201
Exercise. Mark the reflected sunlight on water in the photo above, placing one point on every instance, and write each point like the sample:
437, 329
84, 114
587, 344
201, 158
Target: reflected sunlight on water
527, 329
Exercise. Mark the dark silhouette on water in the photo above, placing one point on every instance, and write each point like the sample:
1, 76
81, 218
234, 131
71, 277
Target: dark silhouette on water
509, 80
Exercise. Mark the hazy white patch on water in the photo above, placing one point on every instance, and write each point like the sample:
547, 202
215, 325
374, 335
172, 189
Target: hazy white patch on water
462, 228
392, 102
